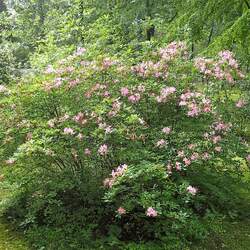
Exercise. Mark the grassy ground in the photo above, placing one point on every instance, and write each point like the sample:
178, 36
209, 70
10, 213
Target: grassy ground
231, 236
10, 240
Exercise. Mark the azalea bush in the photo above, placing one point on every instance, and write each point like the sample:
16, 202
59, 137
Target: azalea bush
129, 143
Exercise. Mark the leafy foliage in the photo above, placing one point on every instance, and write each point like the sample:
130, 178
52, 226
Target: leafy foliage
126, 139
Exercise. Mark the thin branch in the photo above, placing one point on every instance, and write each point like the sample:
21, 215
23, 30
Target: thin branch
247, 3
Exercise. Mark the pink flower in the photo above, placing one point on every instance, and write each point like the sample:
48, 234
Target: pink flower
194, 111
106, 94
49, 69
80, 118
229, 78
207, 108
166, 130
178, 166
205, 156
220, 126
165, 92
80, 136
161, 143
191, 146
134, 98
182, 103
121, 210
217, 149
180, 153
192, 190
87, 151
108, 130
68, 131
58, 82
51, 123
119, 171
151, 212
187, 161
80, 51
194, 156
241, 103
141, 88
103, 149
169, 169
70, 69
29, 136
248, 158
10, 161
216, 139
107, 62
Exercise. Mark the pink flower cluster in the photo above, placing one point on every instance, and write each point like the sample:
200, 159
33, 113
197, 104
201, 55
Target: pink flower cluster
119, 171
151, 212
107, 128
116, 107
192, 190
166, 130
134, 98
97, 87
80, 118
173, 50
107, 63
103, 150
165, 93
68, 131
80, 51
10, 161
196, 103
124, 91
49, 69
87, 151
221, 69
4, 90
221, 126
134, 95
73, 83
240, 103
121, 210
151, 69
248, 158
227, 56
161, 143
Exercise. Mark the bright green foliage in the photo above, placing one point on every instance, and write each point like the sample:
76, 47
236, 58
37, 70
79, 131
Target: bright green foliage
84, 116
131, 140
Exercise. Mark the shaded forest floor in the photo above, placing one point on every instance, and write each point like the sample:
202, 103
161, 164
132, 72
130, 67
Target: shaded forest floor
10, 240
227, 235
233, 236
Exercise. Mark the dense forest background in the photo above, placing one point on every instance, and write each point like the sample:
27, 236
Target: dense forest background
35, 33
124, 124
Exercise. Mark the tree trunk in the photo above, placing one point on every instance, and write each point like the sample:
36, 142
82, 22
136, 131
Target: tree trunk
2, 6
151, 30
210, 34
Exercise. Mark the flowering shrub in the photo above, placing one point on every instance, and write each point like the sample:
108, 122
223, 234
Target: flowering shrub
137, 135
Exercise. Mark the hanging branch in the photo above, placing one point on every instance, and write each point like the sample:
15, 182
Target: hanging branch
247, 3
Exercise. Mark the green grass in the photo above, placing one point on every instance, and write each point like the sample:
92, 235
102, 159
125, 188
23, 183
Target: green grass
231, 235
10, 240
228, 236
